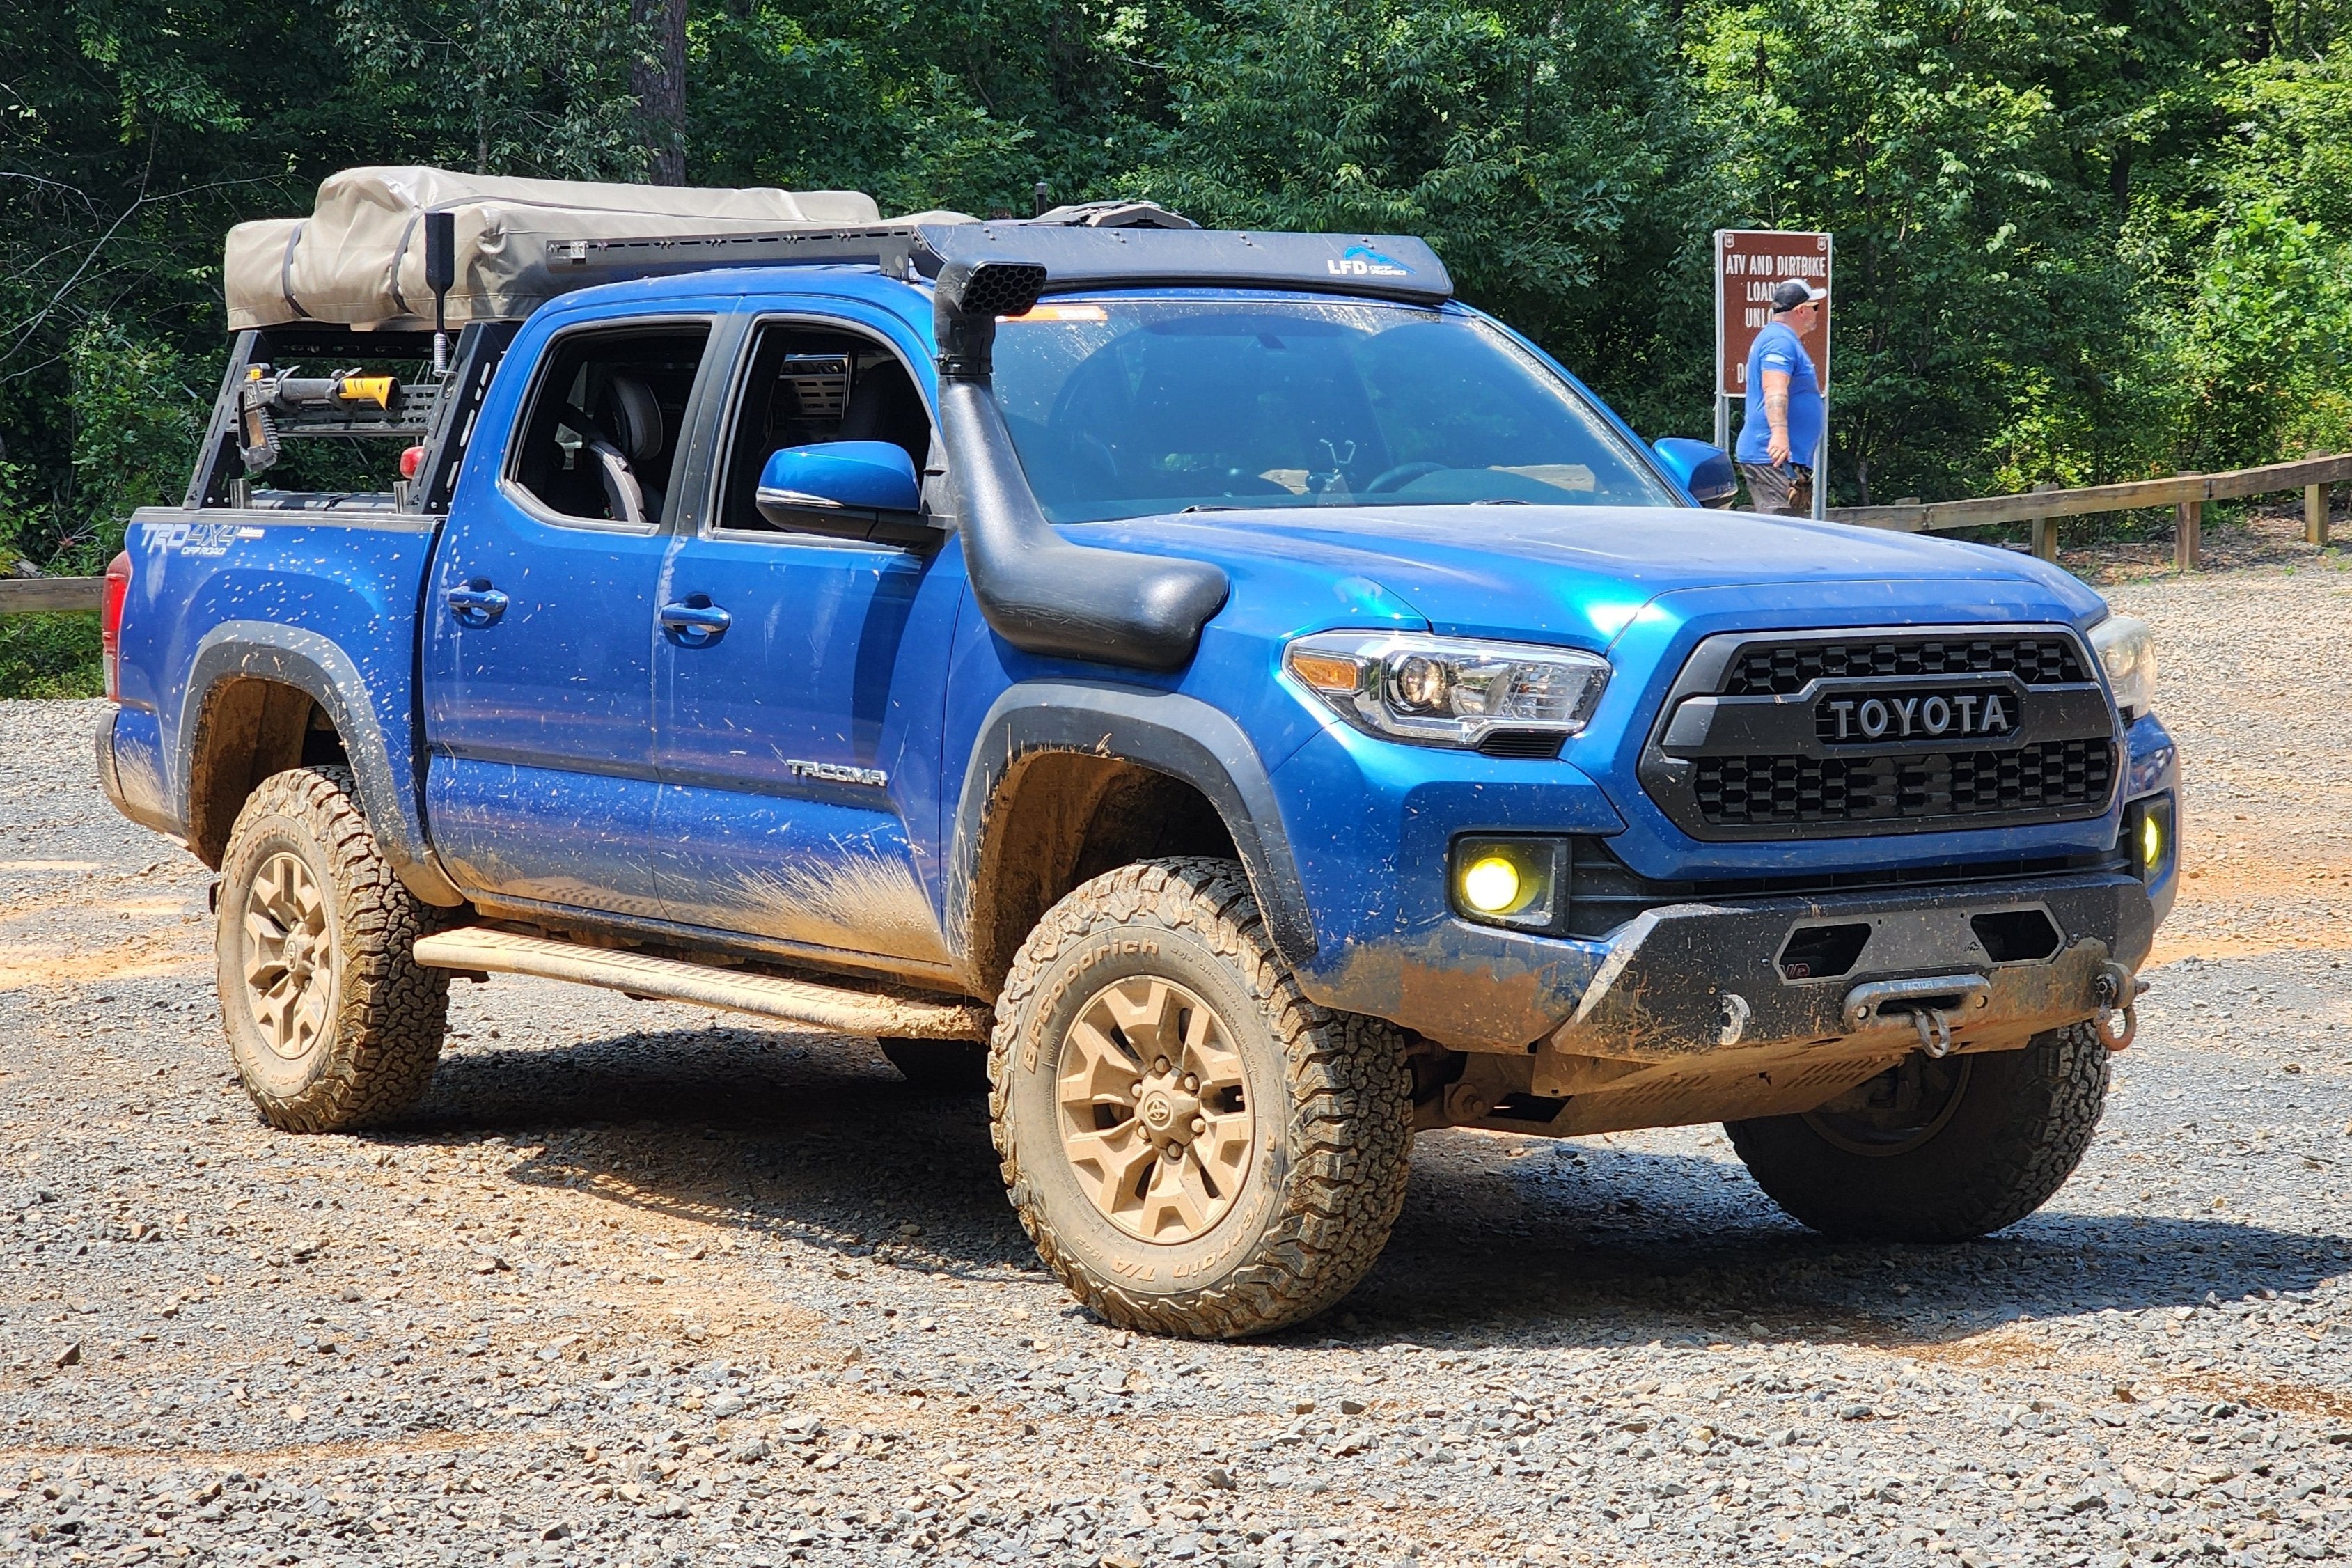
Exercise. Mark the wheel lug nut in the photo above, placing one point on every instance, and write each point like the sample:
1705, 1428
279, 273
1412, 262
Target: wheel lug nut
1192, 1084
1136, 1088
1160, 1065
1200, 1125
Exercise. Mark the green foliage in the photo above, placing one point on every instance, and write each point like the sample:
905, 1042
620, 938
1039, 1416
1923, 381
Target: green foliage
2252, 366
2077, 239
136, 417
522, 87
1978, 310
1548, 151
50, 655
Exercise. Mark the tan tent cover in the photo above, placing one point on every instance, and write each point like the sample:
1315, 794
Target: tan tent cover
359, 259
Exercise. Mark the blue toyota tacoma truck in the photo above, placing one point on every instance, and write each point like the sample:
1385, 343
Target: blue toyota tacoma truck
1271, 707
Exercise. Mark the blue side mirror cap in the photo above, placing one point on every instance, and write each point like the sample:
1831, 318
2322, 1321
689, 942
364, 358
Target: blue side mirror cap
856, 476
1703, 469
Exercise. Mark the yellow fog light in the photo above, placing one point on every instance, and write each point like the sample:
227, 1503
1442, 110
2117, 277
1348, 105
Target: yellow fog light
1515, 881
1491, 885
2151, 842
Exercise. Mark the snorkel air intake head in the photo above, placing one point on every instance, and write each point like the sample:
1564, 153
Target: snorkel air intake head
1038, 590
966, 302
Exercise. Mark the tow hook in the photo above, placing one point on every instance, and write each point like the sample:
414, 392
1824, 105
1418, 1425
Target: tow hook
2118, 1019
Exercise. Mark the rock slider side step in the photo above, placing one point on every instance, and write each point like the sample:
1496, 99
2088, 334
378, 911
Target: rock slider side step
832, 1007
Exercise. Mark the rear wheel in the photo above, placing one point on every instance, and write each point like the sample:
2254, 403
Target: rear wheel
941, 1067
1937, 1149
331, 1022
1193, 1146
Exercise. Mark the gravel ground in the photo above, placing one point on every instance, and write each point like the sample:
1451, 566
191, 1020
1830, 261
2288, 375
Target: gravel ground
643, 1286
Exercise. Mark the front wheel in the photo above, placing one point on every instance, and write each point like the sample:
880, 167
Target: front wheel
331, 1021
1937, 1149
1193, 1146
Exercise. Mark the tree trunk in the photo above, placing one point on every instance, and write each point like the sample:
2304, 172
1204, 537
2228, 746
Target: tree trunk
659, 78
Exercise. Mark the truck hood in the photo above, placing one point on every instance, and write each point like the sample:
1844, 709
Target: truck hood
1581, 574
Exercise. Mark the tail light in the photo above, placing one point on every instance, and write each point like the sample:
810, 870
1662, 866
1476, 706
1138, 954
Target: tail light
109, 621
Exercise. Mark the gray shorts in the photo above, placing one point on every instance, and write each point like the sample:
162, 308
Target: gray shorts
1783, 491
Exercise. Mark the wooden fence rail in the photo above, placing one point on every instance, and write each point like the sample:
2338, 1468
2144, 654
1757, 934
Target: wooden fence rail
27, 596
2185, 493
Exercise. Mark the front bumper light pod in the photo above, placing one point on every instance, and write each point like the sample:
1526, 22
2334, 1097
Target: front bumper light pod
1509, 881
1447, 692
2126, 649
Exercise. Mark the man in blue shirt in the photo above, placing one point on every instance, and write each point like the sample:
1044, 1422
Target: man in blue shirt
1776, 451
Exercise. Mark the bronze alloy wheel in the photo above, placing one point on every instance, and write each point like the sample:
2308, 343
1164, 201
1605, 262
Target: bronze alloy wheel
330, 1023
1155, 1115
289, 957
1194, 1146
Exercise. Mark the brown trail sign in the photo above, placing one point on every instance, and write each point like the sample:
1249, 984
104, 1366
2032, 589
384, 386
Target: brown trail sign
1748, 263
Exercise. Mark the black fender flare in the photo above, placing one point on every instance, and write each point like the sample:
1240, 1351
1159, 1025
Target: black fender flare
314, 665
1166, 731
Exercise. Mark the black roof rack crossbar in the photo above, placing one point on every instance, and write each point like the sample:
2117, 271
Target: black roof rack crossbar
1390, 267
581, 262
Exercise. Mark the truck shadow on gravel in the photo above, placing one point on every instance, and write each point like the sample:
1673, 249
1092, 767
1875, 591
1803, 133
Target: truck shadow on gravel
814, 1138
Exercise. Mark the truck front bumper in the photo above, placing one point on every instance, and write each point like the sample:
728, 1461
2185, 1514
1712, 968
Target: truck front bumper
1984, 966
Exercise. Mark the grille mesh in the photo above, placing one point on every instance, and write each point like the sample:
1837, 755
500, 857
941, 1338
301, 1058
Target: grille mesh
1789, 668
1734, 792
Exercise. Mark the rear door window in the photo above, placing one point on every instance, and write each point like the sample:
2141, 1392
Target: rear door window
599, 442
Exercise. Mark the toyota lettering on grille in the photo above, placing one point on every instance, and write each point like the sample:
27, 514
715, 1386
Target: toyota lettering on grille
1917, 716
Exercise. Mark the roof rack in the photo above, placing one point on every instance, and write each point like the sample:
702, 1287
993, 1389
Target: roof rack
1076, 258
581, 262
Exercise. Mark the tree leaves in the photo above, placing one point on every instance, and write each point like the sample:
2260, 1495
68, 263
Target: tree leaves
2077, 239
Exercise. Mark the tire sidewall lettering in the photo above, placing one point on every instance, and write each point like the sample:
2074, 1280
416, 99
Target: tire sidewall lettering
1091, 956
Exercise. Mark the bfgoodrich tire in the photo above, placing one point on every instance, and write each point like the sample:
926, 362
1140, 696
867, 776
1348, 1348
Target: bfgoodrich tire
331, 1022
1937, 1149
1193, 1146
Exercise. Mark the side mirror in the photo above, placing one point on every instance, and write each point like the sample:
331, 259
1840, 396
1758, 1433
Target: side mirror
849, 490
1705, 471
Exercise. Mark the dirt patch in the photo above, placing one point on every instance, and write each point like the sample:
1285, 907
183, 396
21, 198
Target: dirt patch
136, 958
2268, 533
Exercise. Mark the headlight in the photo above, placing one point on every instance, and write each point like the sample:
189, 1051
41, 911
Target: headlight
2128, 649
1448, 691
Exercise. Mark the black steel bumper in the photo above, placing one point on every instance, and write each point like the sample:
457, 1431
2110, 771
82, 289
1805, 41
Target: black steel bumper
1993, 964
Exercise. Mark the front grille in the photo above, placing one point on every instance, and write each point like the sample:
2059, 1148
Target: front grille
2050, 775
1887, 732
1786, 669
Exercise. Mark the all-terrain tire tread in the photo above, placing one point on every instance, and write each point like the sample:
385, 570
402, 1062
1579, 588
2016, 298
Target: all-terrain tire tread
391, 1013
1349, 1128
2049, 1109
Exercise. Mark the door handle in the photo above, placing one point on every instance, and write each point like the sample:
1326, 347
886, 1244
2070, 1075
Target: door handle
695, 620
477, 604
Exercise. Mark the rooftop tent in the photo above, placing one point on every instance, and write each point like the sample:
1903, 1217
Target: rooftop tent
359, 259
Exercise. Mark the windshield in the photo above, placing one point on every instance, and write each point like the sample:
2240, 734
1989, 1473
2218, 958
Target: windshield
1127, 407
